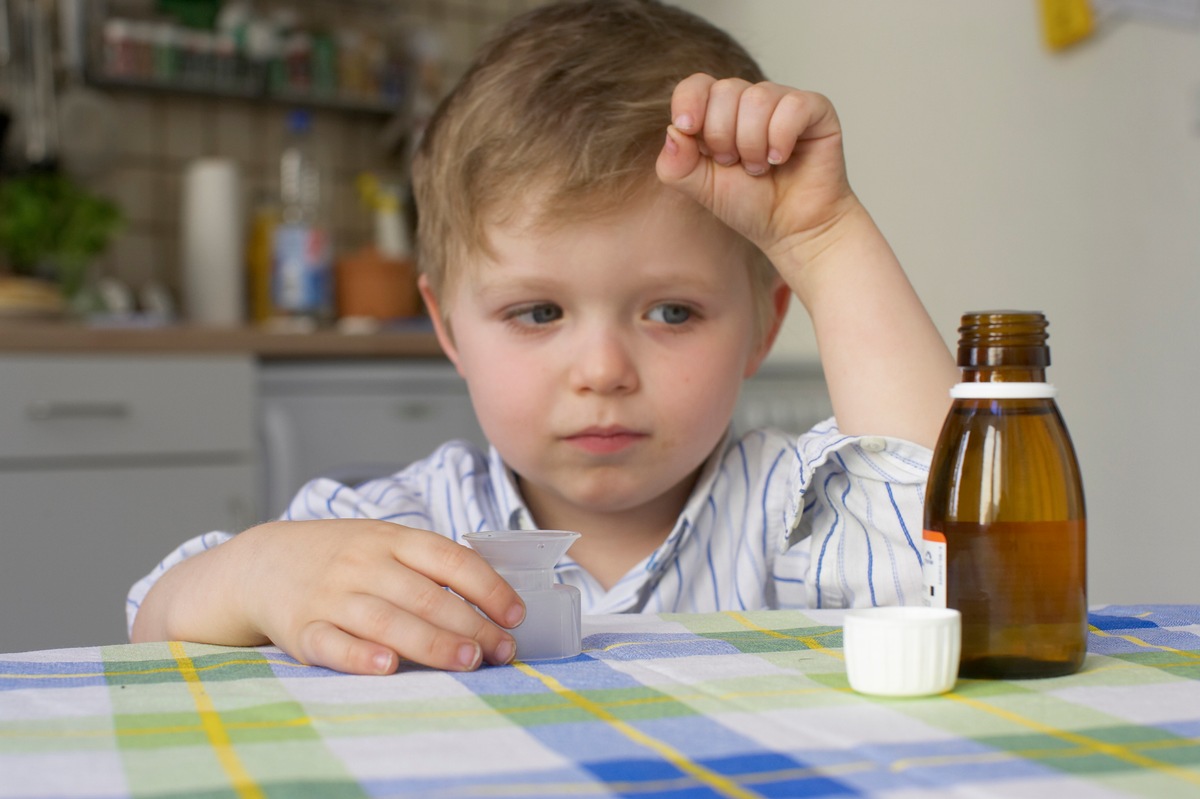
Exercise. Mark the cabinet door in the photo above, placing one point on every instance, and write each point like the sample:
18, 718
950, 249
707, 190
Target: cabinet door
72, 541
354, 421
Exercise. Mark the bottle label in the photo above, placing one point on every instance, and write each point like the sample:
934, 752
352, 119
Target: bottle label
301, 270
933, 559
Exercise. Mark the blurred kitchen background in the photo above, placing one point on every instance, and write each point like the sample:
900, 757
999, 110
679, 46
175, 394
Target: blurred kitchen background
1037, 154
124, 95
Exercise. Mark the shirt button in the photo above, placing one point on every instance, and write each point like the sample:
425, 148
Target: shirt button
873, 444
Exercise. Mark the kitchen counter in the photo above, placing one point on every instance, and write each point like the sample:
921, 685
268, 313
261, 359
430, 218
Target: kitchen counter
64, 337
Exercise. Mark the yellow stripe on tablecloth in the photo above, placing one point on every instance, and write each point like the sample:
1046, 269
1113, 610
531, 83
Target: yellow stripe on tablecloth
1133, 639
718, 782
809, 641
1099, 747
214, 729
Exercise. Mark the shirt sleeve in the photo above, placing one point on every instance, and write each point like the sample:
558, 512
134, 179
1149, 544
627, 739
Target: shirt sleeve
193, 546
855, 525
403, 498
318, 499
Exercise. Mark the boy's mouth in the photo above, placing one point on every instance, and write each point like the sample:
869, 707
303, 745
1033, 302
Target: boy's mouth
604, 440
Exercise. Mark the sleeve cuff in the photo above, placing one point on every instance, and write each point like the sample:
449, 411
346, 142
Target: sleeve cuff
193, 546
825, 448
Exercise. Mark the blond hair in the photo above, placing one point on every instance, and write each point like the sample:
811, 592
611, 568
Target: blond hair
569, 104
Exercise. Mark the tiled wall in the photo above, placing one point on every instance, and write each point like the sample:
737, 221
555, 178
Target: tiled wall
160, 133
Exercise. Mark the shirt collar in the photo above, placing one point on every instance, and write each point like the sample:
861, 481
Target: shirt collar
510, 503
694, 507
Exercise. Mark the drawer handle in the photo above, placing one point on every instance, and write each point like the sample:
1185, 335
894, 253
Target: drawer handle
50, 410
414, 411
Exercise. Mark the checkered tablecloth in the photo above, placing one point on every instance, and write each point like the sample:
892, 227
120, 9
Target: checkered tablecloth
730, 704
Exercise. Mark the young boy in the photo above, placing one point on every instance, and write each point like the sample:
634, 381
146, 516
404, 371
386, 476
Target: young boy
604, 289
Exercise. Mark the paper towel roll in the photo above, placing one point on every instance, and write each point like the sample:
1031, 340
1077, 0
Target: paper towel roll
214, 290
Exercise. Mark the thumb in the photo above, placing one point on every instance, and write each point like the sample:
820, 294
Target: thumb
681, 166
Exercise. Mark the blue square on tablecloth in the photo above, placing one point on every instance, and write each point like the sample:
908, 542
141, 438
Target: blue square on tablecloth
1108, 622
776, 775
16, 674
1159, 615
573, 673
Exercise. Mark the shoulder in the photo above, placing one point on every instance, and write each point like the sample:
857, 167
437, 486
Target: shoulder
455, 461
759, 449
451, 468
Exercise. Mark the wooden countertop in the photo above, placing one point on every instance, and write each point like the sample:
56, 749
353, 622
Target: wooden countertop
66, 337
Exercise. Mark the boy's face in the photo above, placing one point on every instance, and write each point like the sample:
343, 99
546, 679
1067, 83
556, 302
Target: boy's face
604, 358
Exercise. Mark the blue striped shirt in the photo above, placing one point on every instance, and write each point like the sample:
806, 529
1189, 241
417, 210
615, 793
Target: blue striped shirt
825, 520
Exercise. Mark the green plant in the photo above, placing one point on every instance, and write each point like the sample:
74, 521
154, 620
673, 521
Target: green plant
52, 227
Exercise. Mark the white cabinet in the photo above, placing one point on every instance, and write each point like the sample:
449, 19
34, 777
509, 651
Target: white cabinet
106, 464
355, 420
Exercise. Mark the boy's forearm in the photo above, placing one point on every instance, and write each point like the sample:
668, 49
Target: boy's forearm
196, 600
887, 367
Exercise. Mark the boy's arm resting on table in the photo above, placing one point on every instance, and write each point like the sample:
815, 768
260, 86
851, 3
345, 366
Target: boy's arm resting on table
767, 160
351, 594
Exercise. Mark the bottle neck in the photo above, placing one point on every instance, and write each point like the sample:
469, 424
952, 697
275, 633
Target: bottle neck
1007, 374
1003, 347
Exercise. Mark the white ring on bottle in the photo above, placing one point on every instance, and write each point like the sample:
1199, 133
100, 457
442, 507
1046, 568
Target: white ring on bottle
1003, 391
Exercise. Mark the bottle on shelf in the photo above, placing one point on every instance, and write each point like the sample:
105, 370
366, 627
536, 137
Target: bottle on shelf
378, 282
1005, 526
301, 254
259, 246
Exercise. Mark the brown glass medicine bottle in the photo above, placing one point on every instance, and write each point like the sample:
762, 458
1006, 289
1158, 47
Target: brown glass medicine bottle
1005, 527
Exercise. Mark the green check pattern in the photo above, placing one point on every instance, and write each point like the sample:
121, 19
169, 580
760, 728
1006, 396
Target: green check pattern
751, 704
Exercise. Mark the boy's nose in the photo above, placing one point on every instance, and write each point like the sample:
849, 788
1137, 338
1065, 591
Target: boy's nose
602, 362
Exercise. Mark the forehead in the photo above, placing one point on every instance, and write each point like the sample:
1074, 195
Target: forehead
651, 229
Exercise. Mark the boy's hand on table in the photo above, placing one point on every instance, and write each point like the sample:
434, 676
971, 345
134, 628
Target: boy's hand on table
353, 594
353, 598
766, 159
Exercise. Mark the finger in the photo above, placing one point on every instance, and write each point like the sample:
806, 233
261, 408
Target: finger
689, 102
377, 621
756, 109
679, 159
721, 120
461, 569
799, 115
404, 591
323, 644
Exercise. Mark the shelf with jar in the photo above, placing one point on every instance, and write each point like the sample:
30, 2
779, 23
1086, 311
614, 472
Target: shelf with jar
284, 52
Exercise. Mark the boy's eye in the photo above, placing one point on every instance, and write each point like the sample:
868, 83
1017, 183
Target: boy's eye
542, 314
670, 313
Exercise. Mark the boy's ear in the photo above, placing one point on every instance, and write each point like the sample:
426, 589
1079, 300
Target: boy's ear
781, 300
440, 326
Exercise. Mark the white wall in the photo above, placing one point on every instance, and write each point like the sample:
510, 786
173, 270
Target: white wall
1006, 175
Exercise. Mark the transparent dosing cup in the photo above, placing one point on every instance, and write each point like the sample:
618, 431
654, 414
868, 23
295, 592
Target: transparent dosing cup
552, 628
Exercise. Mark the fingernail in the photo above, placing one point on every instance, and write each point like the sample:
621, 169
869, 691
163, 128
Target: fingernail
754, 169
506, 651
383, 663
683, 122
469, 655
725, 159
670, 146
774, 157
514, 616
